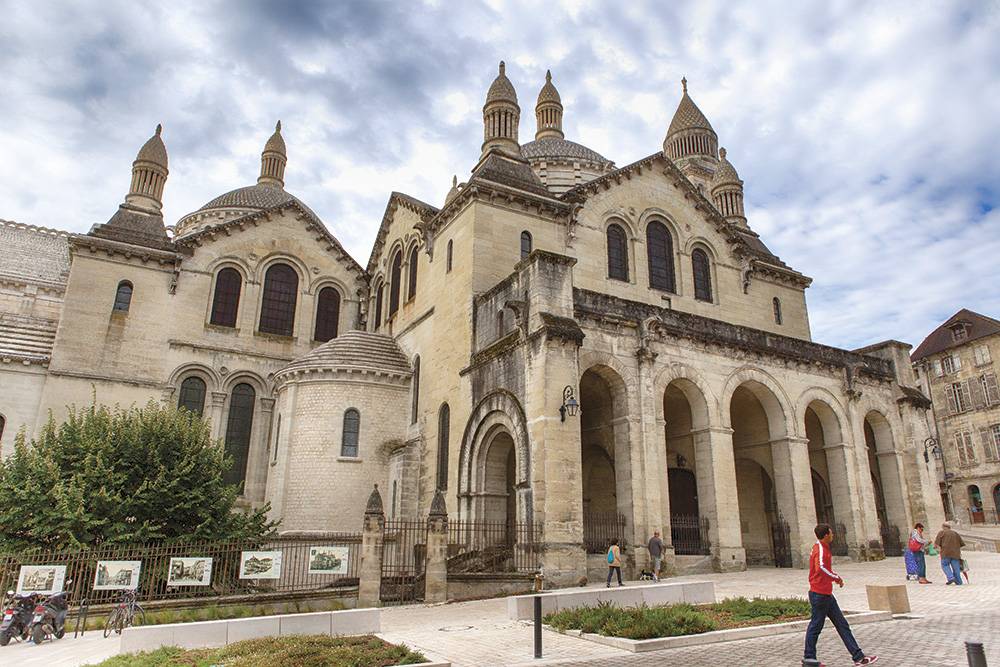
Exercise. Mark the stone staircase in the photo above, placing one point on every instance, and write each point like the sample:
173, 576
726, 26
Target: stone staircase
26, 338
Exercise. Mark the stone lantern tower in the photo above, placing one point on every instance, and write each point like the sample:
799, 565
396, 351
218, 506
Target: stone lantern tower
501, 116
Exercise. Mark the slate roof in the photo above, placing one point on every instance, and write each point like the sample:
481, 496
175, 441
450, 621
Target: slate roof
510, 171
688, 116
354, 351
135, 227
33, 253
553, 147
941, 339
252, 196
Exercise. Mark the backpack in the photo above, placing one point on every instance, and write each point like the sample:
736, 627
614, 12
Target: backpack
611, 555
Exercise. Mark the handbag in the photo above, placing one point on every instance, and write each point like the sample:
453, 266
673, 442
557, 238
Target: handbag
931, 551
915, 545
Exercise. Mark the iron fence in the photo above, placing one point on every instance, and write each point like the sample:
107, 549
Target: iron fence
296, 573
494, 547
599, 528
689, 535
404, 561
983, 516
781, 542
839, 545
891, 544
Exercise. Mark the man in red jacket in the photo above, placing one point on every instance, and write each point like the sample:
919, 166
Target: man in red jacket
821, 580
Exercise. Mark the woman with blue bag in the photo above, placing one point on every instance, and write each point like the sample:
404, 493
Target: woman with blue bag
614, 562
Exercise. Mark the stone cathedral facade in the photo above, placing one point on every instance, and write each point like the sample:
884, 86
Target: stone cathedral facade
558, 339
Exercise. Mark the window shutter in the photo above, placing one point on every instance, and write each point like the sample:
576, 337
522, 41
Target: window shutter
970, 452
992, 391
960, 446
937, 368
956, 362
986, 354
964, 397
977, 393
988, 445
949, 392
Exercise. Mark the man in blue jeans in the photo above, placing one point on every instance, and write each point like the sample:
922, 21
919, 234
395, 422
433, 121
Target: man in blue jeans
950, 544
824, 605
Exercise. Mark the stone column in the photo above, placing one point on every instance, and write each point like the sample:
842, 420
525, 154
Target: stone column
894, 489
436, 568
793, 488
844, 490
370, 578
715, 474
216, 414
654, 498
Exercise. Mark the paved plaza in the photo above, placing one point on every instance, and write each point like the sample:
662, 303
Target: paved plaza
474, 634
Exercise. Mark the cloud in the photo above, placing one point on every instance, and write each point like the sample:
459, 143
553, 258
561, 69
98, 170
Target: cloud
864, 131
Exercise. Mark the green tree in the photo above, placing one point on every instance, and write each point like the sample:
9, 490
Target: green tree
115, 476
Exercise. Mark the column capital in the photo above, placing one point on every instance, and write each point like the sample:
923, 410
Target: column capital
219, 397
722, 430
266, 404
834, 445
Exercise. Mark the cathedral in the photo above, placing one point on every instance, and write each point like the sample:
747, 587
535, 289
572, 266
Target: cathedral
558, 341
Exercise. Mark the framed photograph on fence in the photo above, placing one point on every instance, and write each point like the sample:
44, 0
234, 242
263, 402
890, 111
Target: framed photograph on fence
195, 571
260, 565
328, 560
44, 579
117, 575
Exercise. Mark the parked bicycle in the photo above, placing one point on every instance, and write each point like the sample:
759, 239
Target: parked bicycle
126, 613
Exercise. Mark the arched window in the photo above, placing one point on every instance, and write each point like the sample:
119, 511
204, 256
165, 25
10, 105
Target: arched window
277, 438
776, 302
352, 428
123, 296
277, 308
411, 283
525, 244
448, 262
192, 396
415, 400
617, 253
327, 314
444, 428
500, 323
396, 268
702, 275
3, 422
378, 305
238, 429
660, 252
226, 301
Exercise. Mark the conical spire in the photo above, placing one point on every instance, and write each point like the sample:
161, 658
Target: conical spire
690, 134
149, 174
501, 115
727, 191
454, 190
548, 110
273, 159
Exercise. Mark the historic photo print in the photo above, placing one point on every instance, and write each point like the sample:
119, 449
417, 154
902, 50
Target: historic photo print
328, 560
45, 579
117, 575
190, 572
260, 565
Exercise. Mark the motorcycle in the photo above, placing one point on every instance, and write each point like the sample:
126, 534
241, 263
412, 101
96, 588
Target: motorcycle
49, 619
17, 615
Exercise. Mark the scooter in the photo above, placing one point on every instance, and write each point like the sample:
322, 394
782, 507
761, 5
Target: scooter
49, 619
17, 613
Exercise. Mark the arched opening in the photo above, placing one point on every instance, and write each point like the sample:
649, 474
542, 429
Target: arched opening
192, 395
776, 304
395, 275
976, 514
277, 307
379, 297
617, 253
829, 472
327, 315
411, 290
226, 301
702, 269
684, 411
415, 391
525, 244
660, 256
449, 254
444, 442
886, 483
123, 297
500, 482
996, 489
239, 427
351, 433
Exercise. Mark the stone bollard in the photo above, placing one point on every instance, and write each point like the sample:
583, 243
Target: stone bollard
975, 654
436, 574
370, 578
888, 598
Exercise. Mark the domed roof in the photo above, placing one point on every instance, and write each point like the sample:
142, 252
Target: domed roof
276, 143
501, 90
153, 150
554, 147
354, 351
726, 173
548, 93
688, 116
259, 196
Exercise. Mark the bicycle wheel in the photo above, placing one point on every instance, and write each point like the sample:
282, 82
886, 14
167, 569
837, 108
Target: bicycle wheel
112, 622
138, 616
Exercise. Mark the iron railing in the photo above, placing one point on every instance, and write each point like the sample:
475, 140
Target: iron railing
891, 544
294, 577
599, 528
781, 542
983, 516
494, 547
689, 535
404, 560
839, 545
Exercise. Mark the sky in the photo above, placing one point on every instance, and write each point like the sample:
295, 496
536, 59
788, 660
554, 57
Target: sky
866, 133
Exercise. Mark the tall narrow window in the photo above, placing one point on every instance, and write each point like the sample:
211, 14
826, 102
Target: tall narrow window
378, 305
277, 439
415, 399
396, 268
226, 301
660, 252
525, 244
448, 261
411, 286
702, 275
444, 428
352, 428
617, 253
327, 314
192, 396
500, 324
277, 307
238, 429
3, 422
123, 296
777, 310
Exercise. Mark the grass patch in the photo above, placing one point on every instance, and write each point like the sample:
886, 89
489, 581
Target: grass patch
213, 612
299, 651
677, 620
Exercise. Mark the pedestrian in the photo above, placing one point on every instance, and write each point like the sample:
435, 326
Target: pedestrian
950, 544
655, 547
823, 604
917, 546
614, 562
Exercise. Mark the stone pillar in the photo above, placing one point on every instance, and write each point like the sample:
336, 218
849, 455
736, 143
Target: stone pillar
373, 531
218, 407
894, 489
844, 490
715, 468
794, 492
654, 498
436, 568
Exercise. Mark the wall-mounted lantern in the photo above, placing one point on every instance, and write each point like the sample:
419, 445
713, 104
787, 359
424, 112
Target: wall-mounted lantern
570, 406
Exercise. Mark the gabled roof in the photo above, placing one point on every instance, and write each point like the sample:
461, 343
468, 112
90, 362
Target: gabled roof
396, 199
939, 340
135, 226
514, 172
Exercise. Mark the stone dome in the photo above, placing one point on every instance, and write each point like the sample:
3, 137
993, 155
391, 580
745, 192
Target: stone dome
726, 173
548, 93
553, 147
153, 150
501, 90
688, 116
276, 143
359, 351
253, 197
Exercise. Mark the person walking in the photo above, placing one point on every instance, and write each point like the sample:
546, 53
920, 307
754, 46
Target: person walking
917, 547
655, 547
950, 544
614, 562
824, 605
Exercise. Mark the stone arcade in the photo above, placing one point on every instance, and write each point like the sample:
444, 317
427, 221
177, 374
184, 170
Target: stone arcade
641, 291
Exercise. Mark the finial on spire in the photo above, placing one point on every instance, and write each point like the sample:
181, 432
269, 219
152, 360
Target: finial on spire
684, 84
159, 128
277, 127
454, 180
503, 67
548, 75
722, 153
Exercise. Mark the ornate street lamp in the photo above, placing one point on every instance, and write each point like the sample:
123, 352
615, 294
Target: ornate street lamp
569, 405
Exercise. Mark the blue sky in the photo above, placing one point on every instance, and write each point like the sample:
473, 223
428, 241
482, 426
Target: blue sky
866, 133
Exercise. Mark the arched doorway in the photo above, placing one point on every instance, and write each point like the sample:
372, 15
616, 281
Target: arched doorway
684, 412
500, 481
886, 483
976, 514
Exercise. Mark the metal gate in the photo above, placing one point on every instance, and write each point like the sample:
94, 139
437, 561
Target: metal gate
839, 545
781, 542
891, 544
404, 558
689, 535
